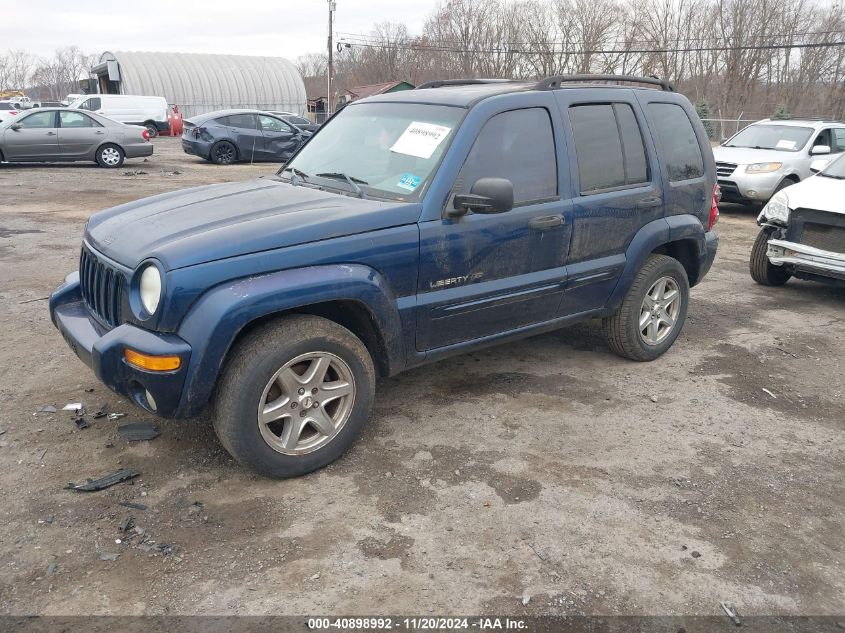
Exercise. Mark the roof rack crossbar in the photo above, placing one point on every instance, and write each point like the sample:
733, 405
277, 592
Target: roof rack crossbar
551, 83
439, 83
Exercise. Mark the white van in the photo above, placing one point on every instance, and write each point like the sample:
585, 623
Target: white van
151, 112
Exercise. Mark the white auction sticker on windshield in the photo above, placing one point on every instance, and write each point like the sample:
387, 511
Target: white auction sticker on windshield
784, 144
420, 139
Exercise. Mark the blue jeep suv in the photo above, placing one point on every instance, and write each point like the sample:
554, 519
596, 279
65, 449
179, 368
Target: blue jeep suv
412, 226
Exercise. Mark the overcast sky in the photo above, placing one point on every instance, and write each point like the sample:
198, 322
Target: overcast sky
286, 28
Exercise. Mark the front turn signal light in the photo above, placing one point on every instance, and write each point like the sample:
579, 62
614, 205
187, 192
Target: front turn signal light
152, 363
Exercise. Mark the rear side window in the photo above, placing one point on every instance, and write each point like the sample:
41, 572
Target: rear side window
517, 145
838, 140
681, 151
609, 145
91, 104
246, 121
70, 118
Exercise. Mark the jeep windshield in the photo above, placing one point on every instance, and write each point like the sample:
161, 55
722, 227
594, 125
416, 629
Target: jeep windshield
785, 138
383, 150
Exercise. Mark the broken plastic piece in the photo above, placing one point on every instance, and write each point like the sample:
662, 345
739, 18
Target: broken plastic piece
101, 412
73, 406
104, 482
134, 506
116, 416
81, 422
731, 612
47, 408
137, 431
108, 556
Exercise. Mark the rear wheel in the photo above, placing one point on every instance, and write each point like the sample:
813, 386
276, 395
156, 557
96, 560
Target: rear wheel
110, 156
294, 396
223, 153
653, 312
762, 270
152, 129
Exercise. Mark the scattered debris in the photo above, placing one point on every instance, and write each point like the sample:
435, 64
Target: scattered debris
654, 398
135, 172
101, 412
89, 389
73, 406
104, 482
127, 524
164, 549
43, 453
109, 556
51, 569
770, 393
316, 576
47, 408
731, 612
81, 422
540, 553
2, 431
138, 431
48, 520
695, 554
526, 598
778, 347
33, 300
116, 416
134, 506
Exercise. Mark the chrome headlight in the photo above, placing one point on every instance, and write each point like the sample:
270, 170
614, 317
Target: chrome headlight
149, 288
777, 209
762, 168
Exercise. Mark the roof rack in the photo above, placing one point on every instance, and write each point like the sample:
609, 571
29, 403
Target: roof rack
439, 83
552, 83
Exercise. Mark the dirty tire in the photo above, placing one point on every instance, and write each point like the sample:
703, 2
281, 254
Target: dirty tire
621, 330
151, 129
255, 360
223, 153
110, 156
762, 270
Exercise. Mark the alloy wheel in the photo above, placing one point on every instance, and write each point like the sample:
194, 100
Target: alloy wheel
659, 311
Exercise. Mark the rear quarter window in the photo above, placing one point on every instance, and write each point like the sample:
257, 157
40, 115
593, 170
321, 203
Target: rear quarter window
680, 149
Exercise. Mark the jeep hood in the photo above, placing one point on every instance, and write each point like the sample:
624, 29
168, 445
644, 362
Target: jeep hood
749, 155
819, 192
213, 222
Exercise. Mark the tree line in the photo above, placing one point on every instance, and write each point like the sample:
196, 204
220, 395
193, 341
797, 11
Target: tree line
45, 79
727, 56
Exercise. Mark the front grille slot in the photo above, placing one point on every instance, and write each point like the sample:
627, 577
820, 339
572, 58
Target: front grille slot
723, 170
824, 236
102, 288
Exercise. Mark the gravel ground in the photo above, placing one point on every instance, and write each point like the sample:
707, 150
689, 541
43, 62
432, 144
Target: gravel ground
545, 476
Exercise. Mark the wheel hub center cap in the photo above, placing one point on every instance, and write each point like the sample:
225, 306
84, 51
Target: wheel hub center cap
307, 401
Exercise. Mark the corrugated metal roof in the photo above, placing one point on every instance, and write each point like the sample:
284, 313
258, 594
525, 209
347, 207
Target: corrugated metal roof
200, 83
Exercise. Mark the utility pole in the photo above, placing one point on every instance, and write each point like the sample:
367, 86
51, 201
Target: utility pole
332, 6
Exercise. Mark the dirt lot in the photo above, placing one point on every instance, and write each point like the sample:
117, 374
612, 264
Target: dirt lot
547, 471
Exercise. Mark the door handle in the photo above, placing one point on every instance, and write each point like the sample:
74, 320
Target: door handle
99, 132
545, 222
51, 133
649, 203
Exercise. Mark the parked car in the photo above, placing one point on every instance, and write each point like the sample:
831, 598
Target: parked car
62, 135
415, 226
71, 98
768, 156
47, 104
297, 121
7, 111
230, 136
150, 112
803, 230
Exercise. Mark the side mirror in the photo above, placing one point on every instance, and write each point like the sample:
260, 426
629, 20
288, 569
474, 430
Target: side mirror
487, 196
817, 165
820, 149
15, 126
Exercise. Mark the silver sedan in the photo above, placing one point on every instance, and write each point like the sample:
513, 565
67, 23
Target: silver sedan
63, 135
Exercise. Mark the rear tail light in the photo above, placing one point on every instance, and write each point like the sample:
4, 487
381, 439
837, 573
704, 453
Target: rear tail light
146, 135
714, 206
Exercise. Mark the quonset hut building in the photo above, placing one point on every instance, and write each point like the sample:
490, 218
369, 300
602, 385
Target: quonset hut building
200, 83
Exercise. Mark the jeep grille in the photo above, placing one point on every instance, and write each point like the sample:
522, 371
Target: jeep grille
102, 288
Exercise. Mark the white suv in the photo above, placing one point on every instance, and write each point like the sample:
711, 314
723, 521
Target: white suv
768, 156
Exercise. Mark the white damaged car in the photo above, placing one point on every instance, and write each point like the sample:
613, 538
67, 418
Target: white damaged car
803, 230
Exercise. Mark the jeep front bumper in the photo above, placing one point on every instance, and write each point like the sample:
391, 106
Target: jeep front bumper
806, 258
103, 351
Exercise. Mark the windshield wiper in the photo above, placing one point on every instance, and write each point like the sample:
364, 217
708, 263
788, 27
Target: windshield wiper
296, 172
352, 180
821, 173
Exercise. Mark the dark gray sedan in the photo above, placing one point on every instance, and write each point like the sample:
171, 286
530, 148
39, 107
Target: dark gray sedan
229, 136
63, 135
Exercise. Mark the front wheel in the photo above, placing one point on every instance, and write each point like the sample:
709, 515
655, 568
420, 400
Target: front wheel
110, 156
762, 270
653, 312
294, 396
